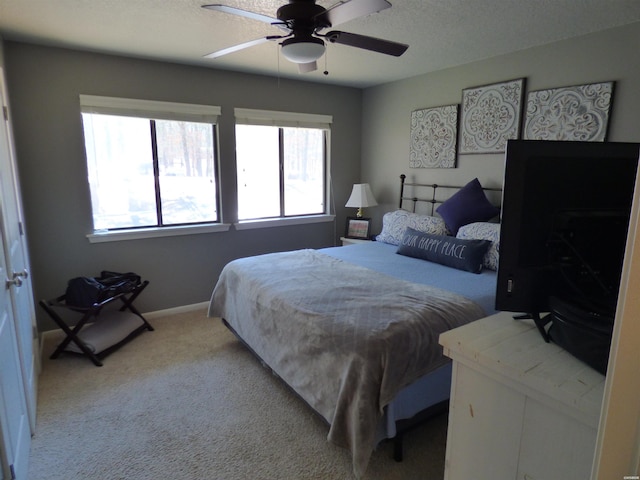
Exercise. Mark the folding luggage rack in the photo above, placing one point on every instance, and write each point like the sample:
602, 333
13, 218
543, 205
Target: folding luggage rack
115, 327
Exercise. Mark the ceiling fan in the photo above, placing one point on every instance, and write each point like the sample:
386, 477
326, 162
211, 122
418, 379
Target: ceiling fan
302, 23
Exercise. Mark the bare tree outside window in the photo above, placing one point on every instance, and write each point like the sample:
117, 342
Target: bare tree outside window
145, 172
281, 171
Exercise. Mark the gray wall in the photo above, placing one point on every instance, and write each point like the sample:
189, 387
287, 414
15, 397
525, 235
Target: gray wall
44, 84
605, 56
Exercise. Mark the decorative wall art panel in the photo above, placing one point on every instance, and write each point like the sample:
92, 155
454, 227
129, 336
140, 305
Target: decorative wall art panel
579, 113
491, 116
434, 133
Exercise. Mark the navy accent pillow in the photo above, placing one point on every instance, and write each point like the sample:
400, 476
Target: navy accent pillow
453, 252
467, 205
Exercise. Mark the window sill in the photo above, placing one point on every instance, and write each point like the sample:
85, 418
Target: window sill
136, 234
279, 222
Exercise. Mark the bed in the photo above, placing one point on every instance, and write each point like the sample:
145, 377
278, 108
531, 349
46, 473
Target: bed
354, 330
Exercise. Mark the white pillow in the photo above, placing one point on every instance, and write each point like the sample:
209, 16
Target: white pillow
484, 231
395, 223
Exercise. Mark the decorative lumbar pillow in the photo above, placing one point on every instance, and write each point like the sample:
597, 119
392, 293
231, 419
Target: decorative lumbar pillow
453, 252
395, 223
467, 205
484, 231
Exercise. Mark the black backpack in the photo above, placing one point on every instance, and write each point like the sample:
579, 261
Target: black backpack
84, 292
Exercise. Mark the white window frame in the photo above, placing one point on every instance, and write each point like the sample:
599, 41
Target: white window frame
249, 116
160, 110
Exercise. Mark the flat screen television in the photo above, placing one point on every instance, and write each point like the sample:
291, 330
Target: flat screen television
565, 215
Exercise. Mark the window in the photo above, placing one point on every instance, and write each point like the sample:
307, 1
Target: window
150, 164
281, 161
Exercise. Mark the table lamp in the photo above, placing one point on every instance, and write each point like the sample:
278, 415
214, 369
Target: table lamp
361, 197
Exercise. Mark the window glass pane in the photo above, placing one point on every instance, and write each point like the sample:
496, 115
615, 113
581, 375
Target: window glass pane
303, 171
186, 172
257, 157
120, 169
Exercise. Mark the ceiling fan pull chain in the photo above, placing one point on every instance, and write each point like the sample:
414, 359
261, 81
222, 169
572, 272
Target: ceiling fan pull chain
326, 54
278, 56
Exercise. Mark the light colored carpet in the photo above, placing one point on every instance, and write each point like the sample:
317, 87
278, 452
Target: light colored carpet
188, 401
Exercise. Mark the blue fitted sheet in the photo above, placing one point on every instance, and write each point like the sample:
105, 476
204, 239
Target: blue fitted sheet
382, 257
480, 288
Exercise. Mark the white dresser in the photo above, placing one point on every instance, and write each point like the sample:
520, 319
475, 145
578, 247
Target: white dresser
520, 408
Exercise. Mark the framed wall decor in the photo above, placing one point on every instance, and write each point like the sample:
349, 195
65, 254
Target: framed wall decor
490, 116
357, 227
579, 113
434, 134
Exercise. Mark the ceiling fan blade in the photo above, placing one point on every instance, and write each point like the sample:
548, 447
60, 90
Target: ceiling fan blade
251, 15
351, 9
307, 67
235, 48
242, 13
368, 43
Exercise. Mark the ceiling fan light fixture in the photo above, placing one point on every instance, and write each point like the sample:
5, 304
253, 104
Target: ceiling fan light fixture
305, 50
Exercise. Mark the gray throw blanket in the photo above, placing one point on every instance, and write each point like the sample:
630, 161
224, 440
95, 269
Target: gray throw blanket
346, 338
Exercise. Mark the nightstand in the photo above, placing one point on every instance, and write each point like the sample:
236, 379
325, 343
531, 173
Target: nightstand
353, 241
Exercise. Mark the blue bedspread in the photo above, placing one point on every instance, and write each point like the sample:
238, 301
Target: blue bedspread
382, 257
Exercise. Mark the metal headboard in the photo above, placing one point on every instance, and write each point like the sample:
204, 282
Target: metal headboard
434, 197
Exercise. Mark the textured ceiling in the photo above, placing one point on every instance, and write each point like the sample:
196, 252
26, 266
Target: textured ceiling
441, 33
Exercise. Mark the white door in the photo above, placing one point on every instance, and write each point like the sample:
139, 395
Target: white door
15, 438
17, 262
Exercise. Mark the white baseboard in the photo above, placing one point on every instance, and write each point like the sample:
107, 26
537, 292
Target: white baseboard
175, 310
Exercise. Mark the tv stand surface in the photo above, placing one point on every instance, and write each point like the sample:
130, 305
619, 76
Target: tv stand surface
539, 321
520, 407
